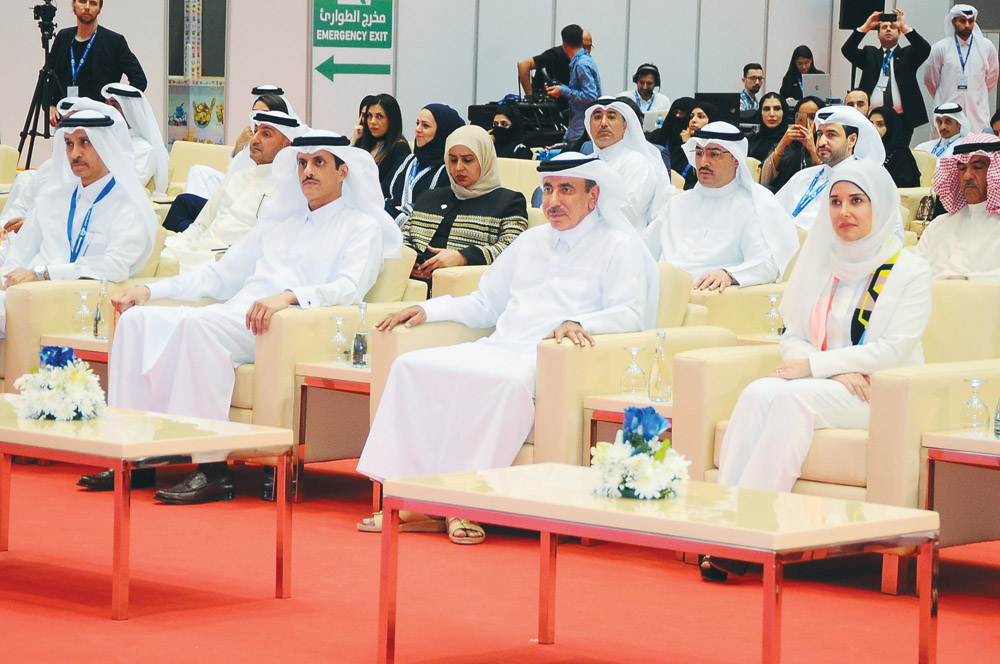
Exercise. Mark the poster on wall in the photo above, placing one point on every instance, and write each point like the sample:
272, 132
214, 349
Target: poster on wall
196, 91
352, 51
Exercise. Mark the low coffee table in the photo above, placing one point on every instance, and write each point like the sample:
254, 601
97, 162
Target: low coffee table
129, 439
745, 524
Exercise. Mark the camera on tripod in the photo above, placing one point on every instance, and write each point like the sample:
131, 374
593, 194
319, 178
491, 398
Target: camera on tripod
44, 14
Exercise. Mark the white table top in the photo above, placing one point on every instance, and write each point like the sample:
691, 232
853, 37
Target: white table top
334, 371
964, 440
746, 518
77, 342
617, 403
133, 434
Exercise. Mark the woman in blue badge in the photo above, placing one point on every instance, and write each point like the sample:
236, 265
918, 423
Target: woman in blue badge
424, 169
856, 303
801, 63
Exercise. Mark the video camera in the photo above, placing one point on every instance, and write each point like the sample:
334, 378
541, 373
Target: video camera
44, 14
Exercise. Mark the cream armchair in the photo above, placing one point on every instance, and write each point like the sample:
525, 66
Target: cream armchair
882, 464
185, 154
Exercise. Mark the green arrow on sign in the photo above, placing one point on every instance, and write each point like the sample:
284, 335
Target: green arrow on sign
328, 68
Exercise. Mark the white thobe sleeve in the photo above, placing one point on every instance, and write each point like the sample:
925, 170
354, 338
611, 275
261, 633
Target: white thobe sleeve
199, 227
145, 160
758, 266
220, 279
128, 239
794, 345
24, 245
481, 308
651, 235
640, 185
355, 274
932, 74
992, 72
902, 335
623, 294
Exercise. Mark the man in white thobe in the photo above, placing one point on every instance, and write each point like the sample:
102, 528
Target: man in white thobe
645, 95
843, 134
728, 230
952, 127
321, 242
235, 206
470, 406
619, 142
147, 137
92, 220
965, 243
963, 67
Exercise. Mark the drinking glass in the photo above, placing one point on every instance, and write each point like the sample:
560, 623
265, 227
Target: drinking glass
83, 317
772, 318
634, 378
340, 345
975, 414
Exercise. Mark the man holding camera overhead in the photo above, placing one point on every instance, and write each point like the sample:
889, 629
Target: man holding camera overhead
88, 57
889, 72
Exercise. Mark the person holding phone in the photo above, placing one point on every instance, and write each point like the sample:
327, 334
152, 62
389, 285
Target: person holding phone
889, 71
797, 148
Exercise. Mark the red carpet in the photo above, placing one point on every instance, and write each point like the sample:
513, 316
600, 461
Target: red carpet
203, 582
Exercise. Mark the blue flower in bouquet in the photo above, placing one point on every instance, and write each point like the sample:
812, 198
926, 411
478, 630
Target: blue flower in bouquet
56, 356
641, 426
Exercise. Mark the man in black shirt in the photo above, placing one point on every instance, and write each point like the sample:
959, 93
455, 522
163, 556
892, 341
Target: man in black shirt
555, 63
87, 57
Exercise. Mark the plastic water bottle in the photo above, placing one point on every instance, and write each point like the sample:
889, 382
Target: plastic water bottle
101, 312
660, 388
359, 351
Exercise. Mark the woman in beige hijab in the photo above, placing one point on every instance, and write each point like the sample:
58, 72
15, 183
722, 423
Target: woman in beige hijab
475, 219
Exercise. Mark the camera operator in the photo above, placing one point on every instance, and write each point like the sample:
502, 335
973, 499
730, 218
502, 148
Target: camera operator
87, 57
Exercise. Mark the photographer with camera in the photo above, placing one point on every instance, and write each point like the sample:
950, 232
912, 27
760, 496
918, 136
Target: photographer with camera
87, 57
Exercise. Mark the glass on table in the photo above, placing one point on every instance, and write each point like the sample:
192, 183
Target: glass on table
83, 317
340, 345
634, 378
975, 414
772, 319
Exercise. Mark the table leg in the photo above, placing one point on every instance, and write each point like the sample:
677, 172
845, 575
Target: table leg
283, 557
929, 497
298, 471
4, 501
927, 586
119, 570
771, 637
547, 589
387, 586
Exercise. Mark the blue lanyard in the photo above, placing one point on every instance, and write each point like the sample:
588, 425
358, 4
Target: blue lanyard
412, 175
886, 58
75, 247
73, 68
938, 152
968, 51
638, 102
747, 99
802, 90
810, 195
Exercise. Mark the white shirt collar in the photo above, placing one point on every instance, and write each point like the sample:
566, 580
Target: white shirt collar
572, 236
327, 212
94, 189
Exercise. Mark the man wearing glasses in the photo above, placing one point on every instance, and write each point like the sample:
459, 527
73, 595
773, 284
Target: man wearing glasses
753, 79
728, 230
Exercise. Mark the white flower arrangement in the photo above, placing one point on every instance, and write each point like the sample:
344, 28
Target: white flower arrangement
63, 388
637, 464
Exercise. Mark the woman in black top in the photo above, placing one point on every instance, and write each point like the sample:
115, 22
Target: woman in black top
424, 169
796, 149
508, 133
899, 160
772, 119
382, 135
801, 63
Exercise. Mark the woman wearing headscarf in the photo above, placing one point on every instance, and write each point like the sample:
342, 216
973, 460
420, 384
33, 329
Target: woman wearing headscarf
772, 120
475, 219
508, 133
801, 63
796, 149
668, 135
382, 136
424, 169
899, 160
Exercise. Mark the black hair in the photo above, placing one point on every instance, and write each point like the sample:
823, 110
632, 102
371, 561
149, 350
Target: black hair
394, 132
572, 35
628, 101
273, 102
752, 65
801, 51
867, 96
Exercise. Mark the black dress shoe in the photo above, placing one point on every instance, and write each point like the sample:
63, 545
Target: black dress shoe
268, 492
199, 487
709, 572
142, 478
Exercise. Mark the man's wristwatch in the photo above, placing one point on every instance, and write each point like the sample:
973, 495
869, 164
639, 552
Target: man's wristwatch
42, 273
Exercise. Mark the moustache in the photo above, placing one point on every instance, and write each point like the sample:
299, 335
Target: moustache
309, 178
705, 169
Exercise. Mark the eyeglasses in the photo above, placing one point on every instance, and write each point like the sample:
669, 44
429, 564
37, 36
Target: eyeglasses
755, 79
501, 125
711, 153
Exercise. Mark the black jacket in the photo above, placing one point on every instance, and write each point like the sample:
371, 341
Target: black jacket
905, 62
108, 59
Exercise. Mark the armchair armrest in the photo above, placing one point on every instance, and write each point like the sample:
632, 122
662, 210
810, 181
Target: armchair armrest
456, 281
385, 347
738, 309
567, 373
707, 383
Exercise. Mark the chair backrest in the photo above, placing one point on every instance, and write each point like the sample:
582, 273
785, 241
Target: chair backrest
149, 269
788, 269
754, 165
675, 292
677, 179
965, 321
392, 281
518, 174
185, 154
926, 162
8, 163
536, 217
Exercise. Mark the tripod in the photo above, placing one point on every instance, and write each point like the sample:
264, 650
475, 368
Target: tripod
39, 102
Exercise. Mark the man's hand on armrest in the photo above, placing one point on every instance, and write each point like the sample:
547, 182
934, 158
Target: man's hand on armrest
14, 225
573, 331
259, 315
715, 280
135, 296
410, 316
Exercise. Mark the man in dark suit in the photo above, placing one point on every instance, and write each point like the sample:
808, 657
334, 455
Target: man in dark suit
87, 57
889, 73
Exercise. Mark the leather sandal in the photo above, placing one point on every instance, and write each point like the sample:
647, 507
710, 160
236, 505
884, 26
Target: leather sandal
373, 524
456, 524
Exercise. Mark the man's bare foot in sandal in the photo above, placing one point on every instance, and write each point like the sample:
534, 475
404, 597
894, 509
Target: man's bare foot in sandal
409, 522
463, 531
